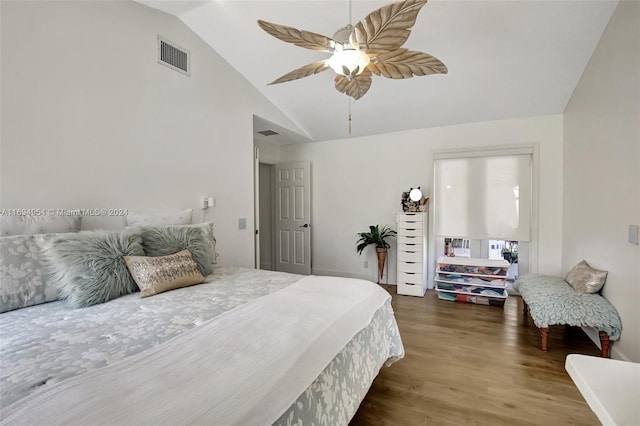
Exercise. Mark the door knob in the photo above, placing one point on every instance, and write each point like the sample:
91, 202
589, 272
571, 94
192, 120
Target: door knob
306, 225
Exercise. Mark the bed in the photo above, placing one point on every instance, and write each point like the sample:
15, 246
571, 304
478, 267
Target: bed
244, 347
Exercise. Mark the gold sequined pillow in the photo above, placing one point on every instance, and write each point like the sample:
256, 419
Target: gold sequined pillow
584, 279
155, 275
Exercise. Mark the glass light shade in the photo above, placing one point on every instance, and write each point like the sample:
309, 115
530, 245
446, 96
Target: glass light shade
415, 194
349, 58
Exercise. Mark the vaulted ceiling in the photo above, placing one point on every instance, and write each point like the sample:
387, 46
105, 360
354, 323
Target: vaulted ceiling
506, 59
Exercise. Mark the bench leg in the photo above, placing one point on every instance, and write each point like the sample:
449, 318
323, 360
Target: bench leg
544, 338
605, 343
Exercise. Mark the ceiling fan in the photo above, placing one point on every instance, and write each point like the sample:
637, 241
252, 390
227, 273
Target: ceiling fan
372, 46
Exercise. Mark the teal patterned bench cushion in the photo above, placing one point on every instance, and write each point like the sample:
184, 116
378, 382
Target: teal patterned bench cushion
552, 301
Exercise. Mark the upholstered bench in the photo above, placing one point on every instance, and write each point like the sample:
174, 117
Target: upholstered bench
552, 301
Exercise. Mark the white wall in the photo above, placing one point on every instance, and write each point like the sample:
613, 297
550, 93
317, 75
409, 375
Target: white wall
357, 182
602, 170
90, 119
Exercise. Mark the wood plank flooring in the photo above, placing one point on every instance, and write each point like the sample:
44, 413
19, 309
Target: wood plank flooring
470, 364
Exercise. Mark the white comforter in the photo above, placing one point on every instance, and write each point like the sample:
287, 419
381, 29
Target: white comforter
266, 354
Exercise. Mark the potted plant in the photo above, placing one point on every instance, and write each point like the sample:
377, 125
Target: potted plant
506, 254
378, 237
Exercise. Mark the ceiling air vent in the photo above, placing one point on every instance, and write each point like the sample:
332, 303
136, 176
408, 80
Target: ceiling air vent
268, 132
174, 57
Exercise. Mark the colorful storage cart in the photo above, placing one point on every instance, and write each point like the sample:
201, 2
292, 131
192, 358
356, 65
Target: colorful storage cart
471, 280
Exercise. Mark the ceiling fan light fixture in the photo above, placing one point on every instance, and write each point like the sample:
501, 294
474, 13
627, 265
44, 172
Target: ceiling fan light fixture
373, 46
349, 62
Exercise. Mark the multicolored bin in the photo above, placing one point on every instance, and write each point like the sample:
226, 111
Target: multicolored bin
472, 280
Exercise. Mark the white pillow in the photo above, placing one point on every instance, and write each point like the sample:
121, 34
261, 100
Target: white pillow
43, 224
160, 219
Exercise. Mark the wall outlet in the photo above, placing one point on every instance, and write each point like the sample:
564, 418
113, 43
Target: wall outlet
366, 264
242, 223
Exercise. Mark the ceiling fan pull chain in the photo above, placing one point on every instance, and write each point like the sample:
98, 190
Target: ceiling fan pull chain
349, 100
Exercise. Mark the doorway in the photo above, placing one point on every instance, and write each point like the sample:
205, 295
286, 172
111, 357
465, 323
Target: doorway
265, 193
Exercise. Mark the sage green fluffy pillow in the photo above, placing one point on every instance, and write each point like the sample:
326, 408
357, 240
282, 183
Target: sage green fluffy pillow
166, 240
88, 268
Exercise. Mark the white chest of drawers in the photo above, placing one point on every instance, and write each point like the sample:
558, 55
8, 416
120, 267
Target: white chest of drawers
412, 253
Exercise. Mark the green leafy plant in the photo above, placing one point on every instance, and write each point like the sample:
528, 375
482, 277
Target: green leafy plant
374, 236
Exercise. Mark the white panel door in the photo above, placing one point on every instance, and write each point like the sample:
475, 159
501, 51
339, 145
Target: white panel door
293, 217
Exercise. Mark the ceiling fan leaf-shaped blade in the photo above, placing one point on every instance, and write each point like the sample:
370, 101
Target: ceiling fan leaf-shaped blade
405, 63
356, 87
305, 71
305, 39
387, 28
353, 41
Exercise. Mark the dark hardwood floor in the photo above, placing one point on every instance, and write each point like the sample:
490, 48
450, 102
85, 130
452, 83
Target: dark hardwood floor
470, 364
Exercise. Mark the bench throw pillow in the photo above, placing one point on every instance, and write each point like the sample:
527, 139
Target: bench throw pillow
88, 268
585, 279
156, 275
25, 281
166, 240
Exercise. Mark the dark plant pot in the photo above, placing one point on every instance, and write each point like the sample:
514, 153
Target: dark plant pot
507, 256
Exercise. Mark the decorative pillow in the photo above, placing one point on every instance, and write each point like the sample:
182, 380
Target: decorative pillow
25, 281
165, 240
88, 268
161, 219
207, 230
584, 279
156, 275
29, 225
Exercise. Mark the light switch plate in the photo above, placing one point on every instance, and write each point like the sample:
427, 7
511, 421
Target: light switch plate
242, 223
633, 234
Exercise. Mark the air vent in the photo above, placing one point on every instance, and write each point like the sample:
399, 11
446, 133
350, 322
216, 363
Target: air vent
174, 57
268, 132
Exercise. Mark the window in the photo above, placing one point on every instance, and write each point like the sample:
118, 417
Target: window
483, 195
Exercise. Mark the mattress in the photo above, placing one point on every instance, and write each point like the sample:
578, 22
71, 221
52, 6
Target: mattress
45, 345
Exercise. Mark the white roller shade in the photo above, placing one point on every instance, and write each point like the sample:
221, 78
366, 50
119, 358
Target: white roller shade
483, 197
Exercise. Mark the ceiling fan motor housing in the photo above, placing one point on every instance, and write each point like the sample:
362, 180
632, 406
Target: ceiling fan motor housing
342, 35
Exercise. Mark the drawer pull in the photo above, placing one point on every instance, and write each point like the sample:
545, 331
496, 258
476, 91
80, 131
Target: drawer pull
411, 262
410, 273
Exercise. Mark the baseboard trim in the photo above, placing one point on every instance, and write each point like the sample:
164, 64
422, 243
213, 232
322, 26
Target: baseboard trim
617, 354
